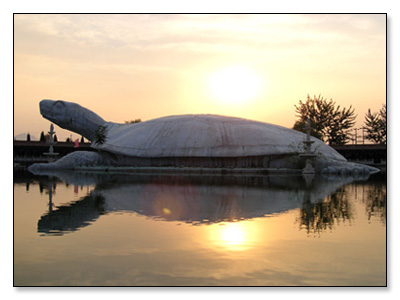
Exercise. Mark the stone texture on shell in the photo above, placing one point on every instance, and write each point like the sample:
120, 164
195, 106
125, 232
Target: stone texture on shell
206, 136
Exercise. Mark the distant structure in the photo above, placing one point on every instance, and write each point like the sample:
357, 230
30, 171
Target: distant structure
51, 154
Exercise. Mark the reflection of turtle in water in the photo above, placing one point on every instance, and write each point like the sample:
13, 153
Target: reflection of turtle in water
207, 141
195, 199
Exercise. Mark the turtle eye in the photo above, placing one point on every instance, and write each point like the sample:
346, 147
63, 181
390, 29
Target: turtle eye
59, 109
59, 105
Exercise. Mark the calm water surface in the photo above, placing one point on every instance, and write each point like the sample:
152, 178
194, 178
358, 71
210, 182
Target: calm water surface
140, 230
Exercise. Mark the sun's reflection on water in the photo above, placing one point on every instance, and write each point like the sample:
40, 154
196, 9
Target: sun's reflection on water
233, 236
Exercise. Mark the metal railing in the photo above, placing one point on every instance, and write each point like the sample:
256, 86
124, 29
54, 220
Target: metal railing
358, 137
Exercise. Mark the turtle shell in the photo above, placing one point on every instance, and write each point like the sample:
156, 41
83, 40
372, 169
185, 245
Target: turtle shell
206, 136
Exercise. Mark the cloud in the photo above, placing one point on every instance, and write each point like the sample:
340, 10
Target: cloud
142, 39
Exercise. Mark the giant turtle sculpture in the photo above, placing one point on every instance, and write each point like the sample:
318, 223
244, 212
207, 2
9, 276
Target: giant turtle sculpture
197, 141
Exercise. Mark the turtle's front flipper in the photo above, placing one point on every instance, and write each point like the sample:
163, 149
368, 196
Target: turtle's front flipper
70, 161
331, 166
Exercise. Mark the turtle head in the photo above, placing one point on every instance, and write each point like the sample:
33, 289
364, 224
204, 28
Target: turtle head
71, 116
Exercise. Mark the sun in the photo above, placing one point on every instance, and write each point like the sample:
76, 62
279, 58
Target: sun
235, 84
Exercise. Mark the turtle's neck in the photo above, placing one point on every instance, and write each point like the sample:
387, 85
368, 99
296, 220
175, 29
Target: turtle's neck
72, 116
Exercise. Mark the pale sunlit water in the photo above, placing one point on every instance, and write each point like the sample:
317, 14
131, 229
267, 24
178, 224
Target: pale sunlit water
125, 230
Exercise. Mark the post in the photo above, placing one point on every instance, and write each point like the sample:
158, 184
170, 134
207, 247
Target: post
50, 186
355, 138
308, 155
51, 154
362, 128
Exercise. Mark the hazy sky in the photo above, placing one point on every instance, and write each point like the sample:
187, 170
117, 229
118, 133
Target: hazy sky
257, 66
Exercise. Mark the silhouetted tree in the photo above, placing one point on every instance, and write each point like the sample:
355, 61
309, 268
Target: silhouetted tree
133, 121
375, 126
42, 138
28, 137
55, 138
82, 140
330, 123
